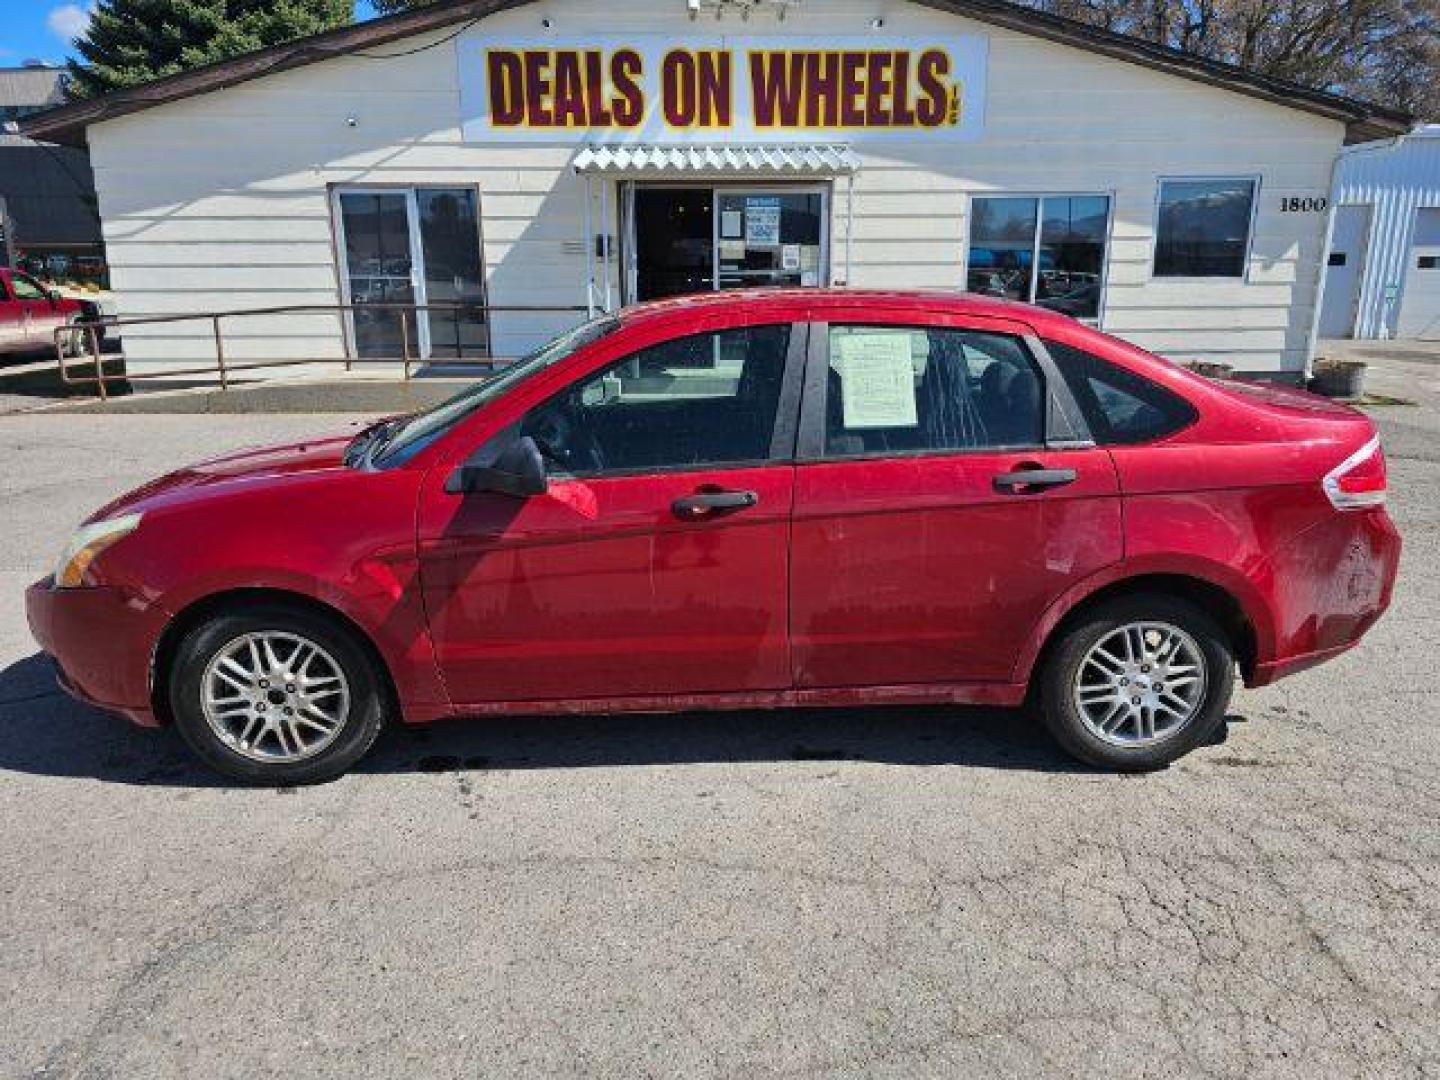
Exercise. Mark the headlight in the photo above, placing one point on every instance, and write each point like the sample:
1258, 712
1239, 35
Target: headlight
88, 542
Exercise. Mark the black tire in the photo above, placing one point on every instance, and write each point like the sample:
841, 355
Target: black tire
358, 729
1062, 716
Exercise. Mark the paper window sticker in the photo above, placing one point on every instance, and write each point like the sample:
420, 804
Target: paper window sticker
877, 380
732, 224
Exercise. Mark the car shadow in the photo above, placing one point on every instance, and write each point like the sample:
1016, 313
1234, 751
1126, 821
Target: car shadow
44, 732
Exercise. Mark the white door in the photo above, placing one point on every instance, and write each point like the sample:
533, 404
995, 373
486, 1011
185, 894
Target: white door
1342, 276
1420, 300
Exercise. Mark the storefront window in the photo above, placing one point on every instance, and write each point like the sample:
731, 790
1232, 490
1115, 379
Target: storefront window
418, 246
1204, 227
1048, 250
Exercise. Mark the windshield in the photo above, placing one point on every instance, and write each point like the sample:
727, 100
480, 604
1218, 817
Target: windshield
409, 434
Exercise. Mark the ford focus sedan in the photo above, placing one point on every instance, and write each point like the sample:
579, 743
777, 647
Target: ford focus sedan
764, 499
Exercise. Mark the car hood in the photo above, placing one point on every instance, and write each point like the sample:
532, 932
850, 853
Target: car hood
243, 468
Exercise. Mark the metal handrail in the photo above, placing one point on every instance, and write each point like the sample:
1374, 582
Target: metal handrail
223, 368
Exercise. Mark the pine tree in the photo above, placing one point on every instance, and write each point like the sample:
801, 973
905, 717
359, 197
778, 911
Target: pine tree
136, 41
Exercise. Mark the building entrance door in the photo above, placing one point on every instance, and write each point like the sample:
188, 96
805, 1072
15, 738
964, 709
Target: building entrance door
697, 239
1344, 272
413, 246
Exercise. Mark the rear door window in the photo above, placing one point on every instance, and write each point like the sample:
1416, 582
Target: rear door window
693, 402
1121, 407
916, 390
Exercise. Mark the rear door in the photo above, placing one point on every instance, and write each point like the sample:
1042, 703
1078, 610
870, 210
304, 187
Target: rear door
944, 498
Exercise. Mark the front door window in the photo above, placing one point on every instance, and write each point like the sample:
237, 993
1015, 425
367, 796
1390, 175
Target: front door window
705, 401
411, 248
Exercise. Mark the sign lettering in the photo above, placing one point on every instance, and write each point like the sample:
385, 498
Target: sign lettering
776, 90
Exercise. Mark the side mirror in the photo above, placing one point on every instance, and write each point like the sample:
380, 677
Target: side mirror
54, 295
515, 468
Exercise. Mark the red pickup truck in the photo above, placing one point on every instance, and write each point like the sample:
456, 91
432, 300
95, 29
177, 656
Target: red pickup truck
30, 314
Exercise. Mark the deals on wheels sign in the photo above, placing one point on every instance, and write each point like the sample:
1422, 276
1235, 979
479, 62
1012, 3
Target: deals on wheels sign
742, 89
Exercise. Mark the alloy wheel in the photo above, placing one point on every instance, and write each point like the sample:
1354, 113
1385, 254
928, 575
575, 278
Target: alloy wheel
275, 697
1140, 684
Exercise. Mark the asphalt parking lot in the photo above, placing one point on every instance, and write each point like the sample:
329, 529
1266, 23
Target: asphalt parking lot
877, 893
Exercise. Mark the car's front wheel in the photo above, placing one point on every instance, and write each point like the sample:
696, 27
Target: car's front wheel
276, 695
1136, 683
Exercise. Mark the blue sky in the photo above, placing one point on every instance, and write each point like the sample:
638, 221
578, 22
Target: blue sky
42, 29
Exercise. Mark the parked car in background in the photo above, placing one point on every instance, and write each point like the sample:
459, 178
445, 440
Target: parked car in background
30, 314
751, 499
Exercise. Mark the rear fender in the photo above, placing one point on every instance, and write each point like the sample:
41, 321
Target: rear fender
1205, 572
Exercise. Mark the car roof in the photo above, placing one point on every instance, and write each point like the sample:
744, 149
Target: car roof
817, 299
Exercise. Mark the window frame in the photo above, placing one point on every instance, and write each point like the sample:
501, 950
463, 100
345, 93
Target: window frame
1255, 180
1108, 194
1063, 425
783, 432
18, 276
1103, 439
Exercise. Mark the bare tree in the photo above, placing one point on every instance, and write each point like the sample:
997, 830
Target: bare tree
1386, 51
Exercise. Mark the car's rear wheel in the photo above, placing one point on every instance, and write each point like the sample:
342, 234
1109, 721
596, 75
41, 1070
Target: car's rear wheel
1137, 682
276, 695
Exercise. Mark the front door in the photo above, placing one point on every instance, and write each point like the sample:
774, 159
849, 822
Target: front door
697, 239
921, 552
657, 563
39, 317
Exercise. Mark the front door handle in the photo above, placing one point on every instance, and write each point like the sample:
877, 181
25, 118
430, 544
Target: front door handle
705, 503
1034, 479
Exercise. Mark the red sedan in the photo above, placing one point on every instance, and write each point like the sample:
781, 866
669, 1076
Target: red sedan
747, 499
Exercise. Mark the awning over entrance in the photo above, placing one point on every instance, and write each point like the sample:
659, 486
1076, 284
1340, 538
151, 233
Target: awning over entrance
834, 159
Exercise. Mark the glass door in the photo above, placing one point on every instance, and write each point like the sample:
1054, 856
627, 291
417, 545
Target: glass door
413, 247
674, 250
380, 261
770, 237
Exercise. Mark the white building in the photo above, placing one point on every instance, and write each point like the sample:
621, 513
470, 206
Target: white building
595, 154
1383, 279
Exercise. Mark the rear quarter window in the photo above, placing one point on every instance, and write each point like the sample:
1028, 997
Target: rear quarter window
1122, 408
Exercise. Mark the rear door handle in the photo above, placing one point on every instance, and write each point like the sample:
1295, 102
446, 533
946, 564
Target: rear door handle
705, 503
1034, 479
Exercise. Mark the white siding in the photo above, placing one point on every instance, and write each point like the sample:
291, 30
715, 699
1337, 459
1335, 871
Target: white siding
221, 201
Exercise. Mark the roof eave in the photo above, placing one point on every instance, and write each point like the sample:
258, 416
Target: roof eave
67, 124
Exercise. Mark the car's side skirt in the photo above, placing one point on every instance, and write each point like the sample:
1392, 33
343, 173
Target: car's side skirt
987, 693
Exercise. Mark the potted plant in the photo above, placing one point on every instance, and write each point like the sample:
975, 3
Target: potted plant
1211, 369
1343, 379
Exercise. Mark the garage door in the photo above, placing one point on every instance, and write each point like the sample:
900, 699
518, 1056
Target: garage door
1420, 302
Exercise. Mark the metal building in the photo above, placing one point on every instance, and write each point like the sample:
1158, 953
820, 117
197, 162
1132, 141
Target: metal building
1383, 275
48, 219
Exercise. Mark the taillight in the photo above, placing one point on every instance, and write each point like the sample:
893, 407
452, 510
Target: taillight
1359, 480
